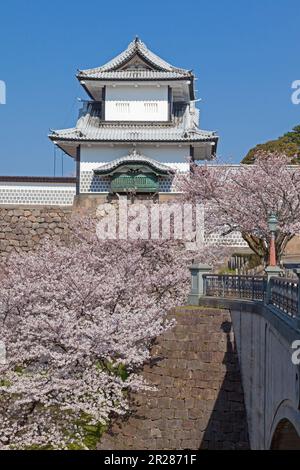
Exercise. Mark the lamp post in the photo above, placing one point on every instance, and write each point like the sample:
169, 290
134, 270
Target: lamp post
272, 270
272, 224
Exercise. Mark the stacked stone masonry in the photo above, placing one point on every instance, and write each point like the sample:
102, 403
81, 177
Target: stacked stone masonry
198, 402
23, 228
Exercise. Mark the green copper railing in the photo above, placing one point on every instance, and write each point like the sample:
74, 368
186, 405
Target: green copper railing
280, 295
232, 286
284, 295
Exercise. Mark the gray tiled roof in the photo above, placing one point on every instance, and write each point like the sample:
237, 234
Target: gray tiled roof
134, 74
111, 70
134, 133
137, 158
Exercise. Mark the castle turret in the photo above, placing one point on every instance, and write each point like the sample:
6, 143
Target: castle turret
140, 125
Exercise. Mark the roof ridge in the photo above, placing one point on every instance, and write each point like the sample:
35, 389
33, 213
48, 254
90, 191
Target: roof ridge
134, 156
135, 46
136, 135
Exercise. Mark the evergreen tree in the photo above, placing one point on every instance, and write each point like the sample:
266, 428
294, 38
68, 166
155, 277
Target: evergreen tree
288, 144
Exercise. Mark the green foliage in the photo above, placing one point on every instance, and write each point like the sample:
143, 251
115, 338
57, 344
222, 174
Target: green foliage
92, 434
37, 447
4, 383
19, 369
289, 144
119, 370
226, 270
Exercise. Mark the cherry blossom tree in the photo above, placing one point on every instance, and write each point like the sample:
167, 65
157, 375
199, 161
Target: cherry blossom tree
78, 322
241, 198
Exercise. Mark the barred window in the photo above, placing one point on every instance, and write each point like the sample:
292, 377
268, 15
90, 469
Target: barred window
122, 107
151, 107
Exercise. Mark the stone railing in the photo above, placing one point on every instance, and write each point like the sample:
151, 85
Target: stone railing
281, 295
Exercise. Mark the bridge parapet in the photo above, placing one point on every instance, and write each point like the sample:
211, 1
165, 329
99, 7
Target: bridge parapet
277, 293
237, 287
265, 318
284, 296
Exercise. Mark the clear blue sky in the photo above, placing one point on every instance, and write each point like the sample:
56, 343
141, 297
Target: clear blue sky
244, 53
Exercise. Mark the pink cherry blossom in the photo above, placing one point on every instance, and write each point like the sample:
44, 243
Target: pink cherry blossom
242, 197
69, 316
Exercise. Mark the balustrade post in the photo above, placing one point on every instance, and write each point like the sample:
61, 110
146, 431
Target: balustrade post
198, 286
271, 271
297, 272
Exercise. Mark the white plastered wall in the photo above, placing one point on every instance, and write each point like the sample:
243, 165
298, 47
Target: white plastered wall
95, 155
136, 103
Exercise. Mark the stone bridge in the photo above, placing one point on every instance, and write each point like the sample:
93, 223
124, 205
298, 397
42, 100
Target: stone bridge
265, 315
270, 379
224, 375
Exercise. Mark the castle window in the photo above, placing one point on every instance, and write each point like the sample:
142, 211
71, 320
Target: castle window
123, 107
150, 107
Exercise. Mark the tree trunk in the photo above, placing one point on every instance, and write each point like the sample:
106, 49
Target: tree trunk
260, 246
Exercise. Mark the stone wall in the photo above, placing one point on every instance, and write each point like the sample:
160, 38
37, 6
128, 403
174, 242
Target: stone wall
199, 401
22, 228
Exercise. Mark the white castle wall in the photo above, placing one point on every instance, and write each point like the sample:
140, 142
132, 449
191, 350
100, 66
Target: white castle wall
91, 157
37, 193
94, 156
136, 103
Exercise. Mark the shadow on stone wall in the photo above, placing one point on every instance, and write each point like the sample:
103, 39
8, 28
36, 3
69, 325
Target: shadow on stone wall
227, 427
198, 401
